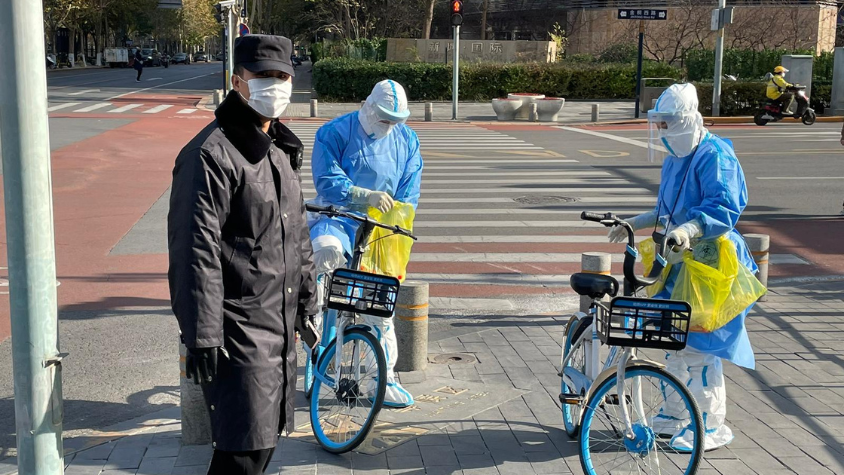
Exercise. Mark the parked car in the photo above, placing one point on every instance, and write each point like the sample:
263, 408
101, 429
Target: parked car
220, 57
295, 60
182, 58
200, 56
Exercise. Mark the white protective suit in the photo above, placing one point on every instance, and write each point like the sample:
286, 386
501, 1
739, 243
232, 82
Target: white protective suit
702, 194
362, 159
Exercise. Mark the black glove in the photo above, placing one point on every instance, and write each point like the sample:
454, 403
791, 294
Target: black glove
201, 364
289, 143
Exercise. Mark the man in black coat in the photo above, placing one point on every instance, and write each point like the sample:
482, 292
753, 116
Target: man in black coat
241, 269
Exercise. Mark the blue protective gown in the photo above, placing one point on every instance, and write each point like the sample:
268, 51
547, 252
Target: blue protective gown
344, 156
714, 194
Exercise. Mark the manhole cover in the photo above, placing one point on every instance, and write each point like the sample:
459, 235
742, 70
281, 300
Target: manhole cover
544, 200
452, 358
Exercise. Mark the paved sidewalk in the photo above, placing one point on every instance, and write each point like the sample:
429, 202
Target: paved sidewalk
786, 415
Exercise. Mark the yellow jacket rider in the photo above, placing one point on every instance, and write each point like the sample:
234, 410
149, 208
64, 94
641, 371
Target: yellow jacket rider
777, 87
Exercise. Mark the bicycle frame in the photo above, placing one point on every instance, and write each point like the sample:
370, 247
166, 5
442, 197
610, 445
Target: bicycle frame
344, 319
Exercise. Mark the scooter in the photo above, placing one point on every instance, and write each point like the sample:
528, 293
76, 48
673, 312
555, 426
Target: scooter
772, 112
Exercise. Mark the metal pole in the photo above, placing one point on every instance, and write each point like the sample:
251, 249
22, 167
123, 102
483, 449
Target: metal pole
719, 60
639, 66
31, 243
230, 44
456, 68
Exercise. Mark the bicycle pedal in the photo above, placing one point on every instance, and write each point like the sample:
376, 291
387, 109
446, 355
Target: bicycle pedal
570, 398
612, 399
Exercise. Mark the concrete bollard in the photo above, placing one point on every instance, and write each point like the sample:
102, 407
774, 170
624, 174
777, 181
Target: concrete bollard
218, 97
759, 245
314, 108
594, 263
533, 115
429, 111
412, 326
196, 423
596, 112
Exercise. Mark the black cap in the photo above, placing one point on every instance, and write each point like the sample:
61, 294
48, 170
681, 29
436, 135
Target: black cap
259, 53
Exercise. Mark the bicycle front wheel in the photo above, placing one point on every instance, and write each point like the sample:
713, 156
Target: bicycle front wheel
341, 418
604, 448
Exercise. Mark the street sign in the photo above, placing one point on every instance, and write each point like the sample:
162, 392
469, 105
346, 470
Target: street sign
640, 14
244, 30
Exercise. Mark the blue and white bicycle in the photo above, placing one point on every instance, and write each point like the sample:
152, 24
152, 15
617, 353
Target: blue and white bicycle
615, 408
346, 388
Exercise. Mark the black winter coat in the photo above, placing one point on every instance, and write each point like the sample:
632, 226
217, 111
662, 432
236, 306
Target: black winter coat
241, 270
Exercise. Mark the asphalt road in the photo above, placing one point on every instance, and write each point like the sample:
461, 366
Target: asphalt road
792, 171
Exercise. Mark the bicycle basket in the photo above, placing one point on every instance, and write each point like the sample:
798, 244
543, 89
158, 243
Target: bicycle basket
645, 323
361, 292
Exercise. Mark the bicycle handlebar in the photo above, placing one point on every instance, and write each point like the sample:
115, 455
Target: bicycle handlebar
333, 211
610, 220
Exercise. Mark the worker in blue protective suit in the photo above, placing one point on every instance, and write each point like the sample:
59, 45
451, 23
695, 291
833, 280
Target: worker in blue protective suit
362, 159
702, 193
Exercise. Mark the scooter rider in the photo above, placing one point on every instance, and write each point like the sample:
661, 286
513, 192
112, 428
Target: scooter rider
778, 89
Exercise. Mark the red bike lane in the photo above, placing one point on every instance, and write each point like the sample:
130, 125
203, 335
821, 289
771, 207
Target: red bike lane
102, 186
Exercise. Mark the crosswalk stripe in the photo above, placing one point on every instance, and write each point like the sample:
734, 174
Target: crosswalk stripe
186, 111
504, 190
483, 257
125, 108
504, 224
539, 175
543, 239
62, 106
508, 211
580, 199
544, 181
93, 107
158, 109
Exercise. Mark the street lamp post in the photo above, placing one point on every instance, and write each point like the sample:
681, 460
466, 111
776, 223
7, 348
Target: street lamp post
30, 239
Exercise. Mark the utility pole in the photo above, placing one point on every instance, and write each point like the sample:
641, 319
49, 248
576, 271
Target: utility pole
719, 57
30, 236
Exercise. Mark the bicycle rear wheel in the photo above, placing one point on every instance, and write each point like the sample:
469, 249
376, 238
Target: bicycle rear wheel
342, 418
572, 412
604, 447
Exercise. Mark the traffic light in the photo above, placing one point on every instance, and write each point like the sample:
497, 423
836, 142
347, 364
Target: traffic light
456, 12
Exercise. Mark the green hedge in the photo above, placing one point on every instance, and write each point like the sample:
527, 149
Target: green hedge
351, 80
749, 65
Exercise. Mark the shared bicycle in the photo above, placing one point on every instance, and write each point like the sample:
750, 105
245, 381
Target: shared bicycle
616, 408
346, 387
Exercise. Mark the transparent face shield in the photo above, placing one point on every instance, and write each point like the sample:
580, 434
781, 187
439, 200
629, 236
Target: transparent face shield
671, 134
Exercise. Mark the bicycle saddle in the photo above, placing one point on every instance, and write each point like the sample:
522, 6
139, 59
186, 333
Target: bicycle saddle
594, 286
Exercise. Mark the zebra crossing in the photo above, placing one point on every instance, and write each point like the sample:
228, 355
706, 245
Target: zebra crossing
498, 218
123, 108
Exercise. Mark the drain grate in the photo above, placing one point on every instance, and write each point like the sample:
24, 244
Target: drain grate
544, 199
452, 358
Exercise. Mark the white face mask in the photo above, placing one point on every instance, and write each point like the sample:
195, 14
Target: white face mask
269, 96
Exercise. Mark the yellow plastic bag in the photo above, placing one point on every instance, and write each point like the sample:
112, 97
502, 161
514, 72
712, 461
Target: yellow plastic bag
388, 253
718, 293
647, 249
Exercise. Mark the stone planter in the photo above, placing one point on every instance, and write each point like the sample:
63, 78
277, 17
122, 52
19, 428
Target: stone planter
527, 99
549, 108
506, 109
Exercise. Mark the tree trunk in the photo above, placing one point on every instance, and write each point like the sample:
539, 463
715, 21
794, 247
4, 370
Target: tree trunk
429, 18
268, 10
483, 20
